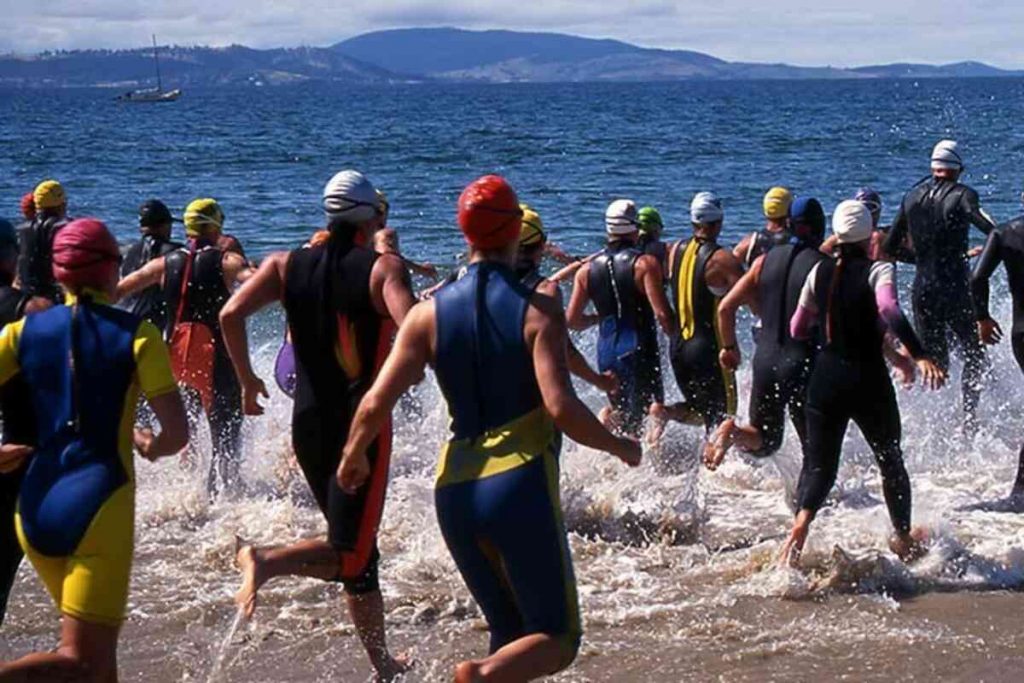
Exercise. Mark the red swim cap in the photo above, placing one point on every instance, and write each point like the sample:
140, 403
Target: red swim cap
85, 254
28, 206
489, 213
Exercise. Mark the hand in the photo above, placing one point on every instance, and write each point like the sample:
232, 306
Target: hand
12, 456
906, 369
608, 382
353, 471
974, 251
252, 388
730, 359
628, 451
144, 442
932, 376
989, 331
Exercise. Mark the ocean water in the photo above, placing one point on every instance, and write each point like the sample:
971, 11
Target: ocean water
675, 564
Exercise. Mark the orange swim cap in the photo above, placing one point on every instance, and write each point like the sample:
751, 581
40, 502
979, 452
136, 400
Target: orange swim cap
489, 213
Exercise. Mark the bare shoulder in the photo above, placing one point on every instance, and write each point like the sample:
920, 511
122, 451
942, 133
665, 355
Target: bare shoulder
389, 264
550, 288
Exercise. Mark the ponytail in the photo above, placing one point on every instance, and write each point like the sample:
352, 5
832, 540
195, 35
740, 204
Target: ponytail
846, 252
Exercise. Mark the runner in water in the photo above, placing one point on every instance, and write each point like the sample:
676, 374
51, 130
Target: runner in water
871, 199
651, 227
851, 300
498, 351
197, 281
776, 229
701, 273
627, 290
35, 260
934, 218
1005, 245
782, 364
84, 365
19, 422
155, 224
343, 302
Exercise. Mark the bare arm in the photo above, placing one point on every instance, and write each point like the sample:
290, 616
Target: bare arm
740, 250
723, 271
744, 293
576, 313
170, 413
262, 289
391, 288
148, 275
403, 368
654, 288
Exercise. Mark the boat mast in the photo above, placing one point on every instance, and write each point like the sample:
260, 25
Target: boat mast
156, 60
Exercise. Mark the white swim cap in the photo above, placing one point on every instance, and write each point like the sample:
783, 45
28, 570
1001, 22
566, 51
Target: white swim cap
351, 196
620, 218
852, 222
705, 208
946, 155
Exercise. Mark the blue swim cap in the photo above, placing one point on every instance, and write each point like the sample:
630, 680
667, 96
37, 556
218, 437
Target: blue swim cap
807, 220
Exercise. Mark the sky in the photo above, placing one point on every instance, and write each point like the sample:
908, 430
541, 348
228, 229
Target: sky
833, 33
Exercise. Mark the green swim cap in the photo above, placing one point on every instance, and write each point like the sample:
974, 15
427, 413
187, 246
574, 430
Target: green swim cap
649, 219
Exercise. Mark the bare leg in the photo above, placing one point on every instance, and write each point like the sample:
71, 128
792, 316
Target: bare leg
367, 612
87, 652
314, 558
794, 545
909, 546
678, 412
529, 658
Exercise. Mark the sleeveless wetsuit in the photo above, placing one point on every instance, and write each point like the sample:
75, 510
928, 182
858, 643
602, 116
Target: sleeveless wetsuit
84, 364
148, 304
340, 342
850, 381
937, 215
782, 365
708, 389
205, 296
497, 495
19, 428
35, 257
627, 341
761, 242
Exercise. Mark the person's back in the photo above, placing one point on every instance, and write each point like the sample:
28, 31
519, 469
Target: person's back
35, 260
150, 303
194, 290
783, 274
938, 213
627, 320
850, 328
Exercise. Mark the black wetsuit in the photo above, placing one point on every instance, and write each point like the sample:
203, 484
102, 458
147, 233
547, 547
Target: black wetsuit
627, 337
937, 215
782, 365
1005, 245
205, 296
330, 311
19, 428
850, 380
761, 242
708, 389
653, 246
35, 257
149, 303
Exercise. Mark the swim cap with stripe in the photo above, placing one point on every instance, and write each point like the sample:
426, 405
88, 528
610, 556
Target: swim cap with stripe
946, 155
706, 208
532, 232
489, 213
203, 217
650, 220
85, 254
351, 197
620, 218
776, 203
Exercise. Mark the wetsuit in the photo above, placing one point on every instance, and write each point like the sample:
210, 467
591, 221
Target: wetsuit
19, 428
782, 365
84, 364
627, 341
761, 242
936, 215
708, 389
149, 303
850, 379
497, 496
205, 296
35, 257
340, 342
652, 246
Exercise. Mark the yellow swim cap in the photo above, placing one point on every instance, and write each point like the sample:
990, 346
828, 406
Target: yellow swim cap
776, 203
202, 217
532, 232
49, 194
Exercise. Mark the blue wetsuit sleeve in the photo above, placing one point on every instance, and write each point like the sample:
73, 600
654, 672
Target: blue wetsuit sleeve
9, 339
991, 257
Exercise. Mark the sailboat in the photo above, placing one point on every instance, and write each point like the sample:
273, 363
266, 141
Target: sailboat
157, 94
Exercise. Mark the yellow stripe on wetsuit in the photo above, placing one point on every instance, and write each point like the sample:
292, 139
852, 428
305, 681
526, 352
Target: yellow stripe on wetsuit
687, 319
499, 450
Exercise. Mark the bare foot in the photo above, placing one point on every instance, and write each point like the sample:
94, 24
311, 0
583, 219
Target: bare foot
910, 547
610, 419
396, 667
719, 444
659, 418
468, 672
248, 560
794, 546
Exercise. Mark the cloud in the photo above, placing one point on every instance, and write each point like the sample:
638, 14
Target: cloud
795, 31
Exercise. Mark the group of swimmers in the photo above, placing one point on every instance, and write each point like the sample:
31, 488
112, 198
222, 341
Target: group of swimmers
89, 328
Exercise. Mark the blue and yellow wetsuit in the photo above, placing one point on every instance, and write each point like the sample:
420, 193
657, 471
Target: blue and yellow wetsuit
497, 495
84, 364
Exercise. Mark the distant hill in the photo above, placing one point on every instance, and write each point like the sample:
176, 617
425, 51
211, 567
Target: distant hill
432, 54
